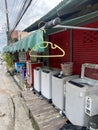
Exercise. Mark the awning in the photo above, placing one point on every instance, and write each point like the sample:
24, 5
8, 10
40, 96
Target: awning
26, 43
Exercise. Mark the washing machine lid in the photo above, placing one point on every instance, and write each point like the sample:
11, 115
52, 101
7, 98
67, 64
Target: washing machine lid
89, 71
38, 68
46, 71
82, 82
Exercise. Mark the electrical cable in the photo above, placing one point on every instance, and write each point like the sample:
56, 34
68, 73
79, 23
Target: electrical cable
22, 13
29, 5
18, 5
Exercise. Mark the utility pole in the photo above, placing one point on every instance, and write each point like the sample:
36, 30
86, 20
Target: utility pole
7, 20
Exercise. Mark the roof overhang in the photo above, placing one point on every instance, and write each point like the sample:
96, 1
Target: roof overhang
69, 10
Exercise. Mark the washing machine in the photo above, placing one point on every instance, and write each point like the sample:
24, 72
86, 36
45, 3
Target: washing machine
30, 71
76, 92
46, 82
37, 79
59, 90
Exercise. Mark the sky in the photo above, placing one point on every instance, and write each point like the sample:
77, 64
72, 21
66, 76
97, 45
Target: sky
36, 10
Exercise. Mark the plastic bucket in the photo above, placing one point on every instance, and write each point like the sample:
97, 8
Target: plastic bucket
67, 68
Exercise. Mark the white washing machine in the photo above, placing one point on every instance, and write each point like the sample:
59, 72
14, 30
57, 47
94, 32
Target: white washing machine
46, 82
76, 92
37, 79
59, 88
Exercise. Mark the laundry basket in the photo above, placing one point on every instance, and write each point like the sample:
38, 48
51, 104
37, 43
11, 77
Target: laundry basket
67, 68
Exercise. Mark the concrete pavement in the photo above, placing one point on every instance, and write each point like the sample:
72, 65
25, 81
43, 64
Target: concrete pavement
14, 114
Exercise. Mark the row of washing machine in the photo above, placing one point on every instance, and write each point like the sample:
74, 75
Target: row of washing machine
52, 85
77, 97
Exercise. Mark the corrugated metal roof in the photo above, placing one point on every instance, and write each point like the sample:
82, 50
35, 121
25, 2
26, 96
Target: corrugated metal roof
76, 21
81, 19
68, 10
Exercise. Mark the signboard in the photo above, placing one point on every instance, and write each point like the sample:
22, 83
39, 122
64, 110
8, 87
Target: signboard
22, 56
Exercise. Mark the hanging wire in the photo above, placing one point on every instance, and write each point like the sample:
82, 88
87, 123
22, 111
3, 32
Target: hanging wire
23, 10
13, 16
13, 12
29, 15
16, 10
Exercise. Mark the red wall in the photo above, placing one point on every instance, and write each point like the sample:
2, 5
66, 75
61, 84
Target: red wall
62, 40
85, 47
